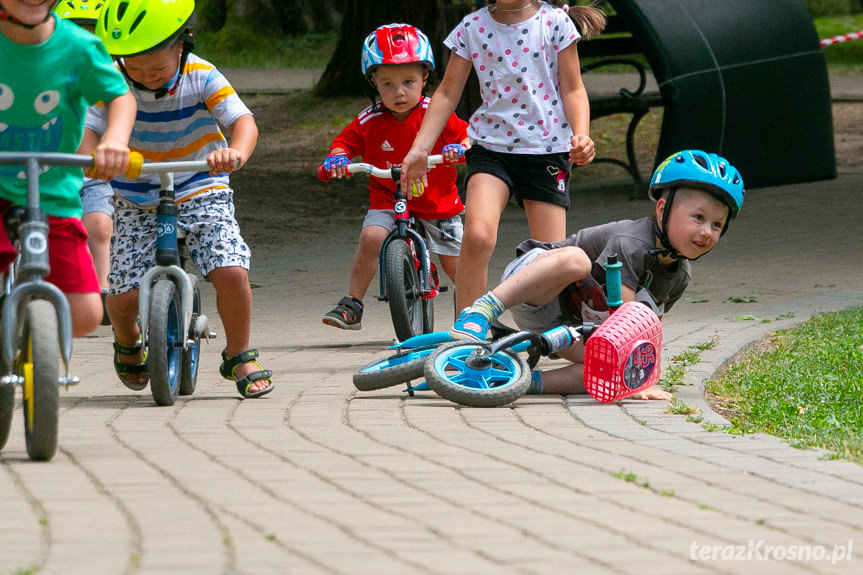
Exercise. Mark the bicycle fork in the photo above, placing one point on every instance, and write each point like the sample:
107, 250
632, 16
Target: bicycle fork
34, 266
403, 231
167, 264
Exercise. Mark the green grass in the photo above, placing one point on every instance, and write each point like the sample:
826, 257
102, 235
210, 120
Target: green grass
807, 388
306, 51
845, 58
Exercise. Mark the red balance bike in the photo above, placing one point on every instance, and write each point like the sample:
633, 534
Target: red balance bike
409, 280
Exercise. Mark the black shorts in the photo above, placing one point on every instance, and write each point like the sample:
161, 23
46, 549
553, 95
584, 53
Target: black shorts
540, 177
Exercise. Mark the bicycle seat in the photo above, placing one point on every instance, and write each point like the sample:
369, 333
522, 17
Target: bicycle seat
12, 220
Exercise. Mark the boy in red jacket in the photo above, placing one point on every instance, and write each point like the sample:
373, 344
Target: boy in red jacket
397, 59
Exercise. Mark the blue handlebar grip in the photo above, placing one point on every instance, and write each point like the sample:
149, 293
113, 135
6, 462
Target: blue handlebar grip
612, 282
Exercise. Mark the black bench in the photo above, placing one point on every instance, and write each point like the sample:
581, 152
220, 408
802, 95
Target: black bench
613, 48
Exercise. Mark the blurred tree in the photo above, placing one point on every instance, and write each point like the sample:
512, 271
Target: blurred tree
252, 24
343, 75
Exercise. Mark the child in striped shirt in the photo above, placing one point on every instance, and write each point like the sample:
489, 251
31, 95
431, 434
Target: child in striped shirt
182, 100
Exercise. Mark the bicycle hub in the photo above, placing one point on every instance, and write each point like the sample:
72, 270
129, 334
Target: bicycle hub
479, 359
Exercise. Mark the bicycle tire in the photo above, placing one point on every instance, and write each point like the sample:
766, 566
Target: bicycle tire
7, 408
393, 370
39, 364
165, 342
428, 315
192, 355
447, 375
403, 290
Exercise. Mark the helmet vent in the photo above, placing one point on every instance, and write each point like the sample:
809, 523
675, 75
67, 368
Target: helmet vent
722, 171
121, 10
700, 161
137, 21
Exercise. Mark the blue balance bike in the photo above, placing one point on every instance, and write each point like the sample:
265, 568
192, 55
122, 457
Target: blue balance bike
492, 373
169, 301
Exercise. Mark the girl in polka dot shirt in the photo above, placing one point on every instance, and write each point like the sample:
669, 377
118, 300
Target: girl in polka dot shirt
533, 123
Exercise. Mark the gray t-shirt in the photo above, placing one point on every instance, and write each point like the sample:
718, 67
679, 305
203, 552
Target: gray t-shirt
632, 242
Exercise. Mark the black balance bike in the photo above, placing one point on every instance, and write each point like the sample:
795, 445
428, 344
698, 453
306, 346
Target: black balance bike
409, 280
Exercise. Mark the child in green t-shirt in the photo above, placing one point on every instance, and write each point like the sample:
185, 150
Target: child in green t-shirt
50, 71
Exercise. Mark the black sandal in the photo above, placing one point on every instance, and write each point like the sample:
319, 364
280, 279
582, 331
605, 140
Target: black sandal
124, 370
348, 314
229, 368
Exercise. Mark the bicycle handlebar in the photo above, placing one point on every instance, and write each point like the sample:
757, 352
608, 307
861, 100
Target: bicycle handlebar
136, 168
360, 167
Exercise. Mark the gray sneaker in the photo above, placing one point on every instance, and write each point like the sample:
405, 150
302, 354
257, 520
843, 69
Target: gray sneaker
348, 314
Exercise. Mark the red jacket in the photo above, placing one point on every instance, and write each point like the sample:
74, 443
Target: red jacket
383, 141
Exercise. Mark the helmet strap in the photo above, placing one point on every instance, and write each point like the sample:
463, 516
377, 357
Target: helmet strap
662, 232
11, 20
159, 93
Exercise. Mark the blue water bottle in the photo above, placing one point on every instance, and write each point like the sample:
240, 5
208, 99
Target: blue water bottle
612, 282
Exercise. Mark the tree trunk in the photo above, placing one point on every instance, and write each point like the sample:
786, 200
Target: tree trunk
211, 15
343, 74
291, 15
248, 25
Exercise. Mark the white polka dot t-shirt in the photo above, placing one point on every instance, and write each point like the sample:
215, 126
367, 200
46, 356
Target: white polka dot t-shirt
516, 64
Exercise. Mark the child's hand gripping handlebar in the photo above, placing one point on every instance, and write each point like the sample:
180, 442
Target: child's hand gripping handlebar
138, 168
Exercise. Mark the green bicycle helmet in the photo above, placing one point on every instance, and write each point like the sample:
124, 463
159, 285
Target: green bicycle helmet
81, 12
137, 27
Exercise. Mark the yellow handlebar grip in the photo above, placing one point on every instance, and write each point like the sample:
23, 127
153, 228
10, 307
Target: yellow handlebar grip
136, 163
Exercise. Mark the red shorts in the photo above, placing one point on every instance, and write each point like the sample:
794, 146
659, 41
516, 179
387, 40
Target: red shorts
71, 262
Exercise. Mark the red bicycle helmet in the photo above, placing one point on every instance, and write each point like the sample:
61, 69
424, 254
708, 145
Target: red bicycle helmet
396, 44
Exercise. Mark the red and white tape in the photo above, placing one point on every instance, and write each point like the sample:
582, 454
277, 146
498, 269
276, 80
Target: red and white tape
843, 38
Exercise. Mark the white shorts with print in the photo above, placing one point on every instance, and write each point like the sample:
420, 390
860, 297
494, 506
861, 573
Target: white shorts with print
212, 237
442, 237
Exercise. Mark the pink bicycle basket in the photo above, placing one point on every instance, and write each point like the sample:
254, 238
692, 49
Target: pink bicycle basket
622, 357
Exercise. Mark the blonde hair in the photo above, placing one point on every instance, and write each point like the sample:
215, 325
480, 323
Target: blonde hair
590, 20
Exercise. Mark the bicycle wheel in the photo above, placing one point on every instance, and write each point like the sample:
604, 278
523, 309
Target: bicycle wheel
189, 364
39, 364
7, 407
394, 370
455, 373
428, 315
165, 342
403, 290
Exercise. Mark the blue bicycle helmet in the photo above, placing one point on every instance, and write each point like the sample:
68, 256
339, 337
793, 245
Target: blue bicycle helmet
700, 170
396, 44
697, 169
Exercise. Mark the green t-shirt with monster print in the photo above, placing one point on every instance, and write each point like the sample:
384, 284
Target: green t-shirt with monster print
44, 92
